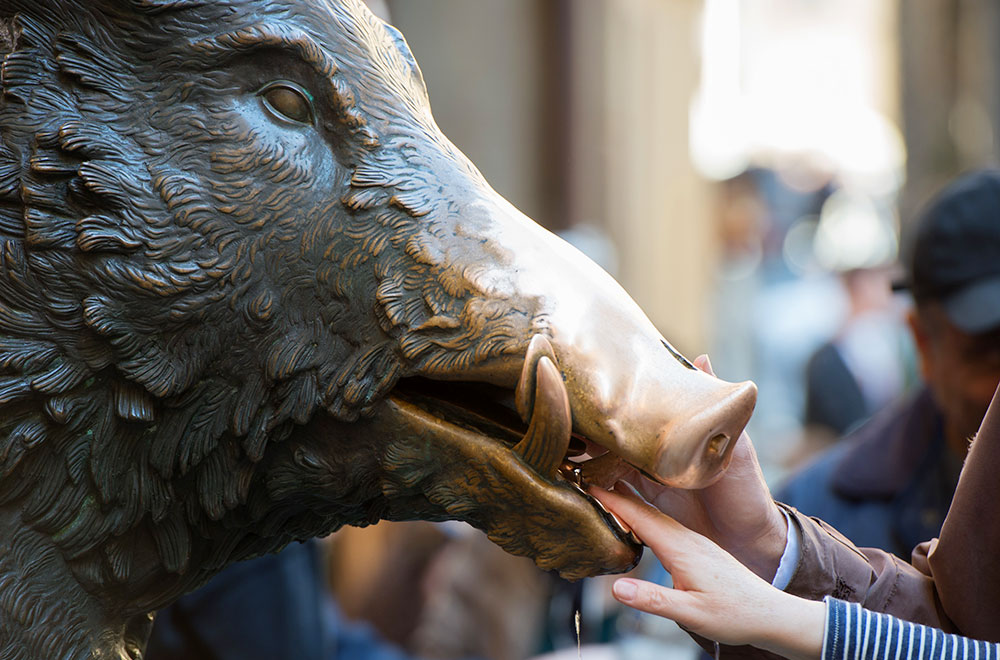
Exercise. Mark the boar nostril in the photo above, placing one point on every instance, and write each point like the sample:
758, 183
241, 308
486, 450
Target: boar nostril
717, 445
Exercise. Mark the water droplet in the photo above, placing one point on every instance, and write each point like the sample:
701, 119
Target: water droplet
579, 647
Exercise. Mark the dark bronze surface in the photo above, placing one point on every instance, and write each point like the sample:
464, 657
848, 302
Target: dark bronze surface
249, 293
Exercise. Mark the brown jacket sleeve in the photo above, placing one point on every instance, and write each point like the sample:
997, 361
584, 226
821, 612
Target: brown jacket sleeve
829, 564
954, 581
965, 561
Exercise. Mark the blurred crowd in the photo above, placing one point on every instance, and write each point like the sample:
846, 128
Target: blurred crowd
805, 308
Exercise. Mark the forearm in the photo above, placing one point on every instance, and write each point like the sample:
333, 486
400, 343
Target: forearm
791, 627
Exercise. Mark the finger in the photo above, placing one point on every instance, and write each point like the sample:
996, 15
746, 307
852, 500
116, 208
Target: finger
664, 535
630, 508
705, 364
684, 506
652, 598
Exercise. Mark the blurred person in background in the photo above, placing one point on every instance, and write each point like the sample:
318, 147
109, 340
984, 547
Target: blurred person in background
858, 371
272, 608
889, 483
392, 591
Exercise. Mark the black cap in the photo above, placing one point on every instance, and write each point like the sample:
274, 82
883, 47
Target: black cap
955, 258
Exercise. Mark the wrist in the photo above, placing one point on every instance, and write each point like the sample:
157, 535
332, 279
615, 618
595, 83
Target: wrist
763, 555
793, 628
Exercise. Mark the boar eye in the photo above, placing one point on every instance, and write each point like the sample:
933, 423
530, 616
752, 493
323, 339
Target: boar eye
289, 102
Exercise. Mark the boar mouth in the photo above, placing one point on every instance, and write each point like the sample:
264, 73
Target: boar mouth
534, 422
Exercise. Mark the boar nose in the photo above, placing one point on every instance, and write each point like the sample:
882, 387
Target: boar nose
676, 424
628, 389
694, 451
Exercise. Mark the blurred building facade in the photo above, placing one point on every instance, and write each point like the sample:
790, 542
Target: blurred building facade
950, 92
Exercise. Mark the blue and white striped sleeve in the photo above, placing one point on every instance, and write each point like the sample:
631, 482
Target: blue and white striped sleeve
854, 633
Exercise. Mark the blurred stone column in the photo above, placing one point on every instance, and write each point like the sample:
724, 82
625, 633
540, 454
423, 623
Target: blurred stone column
656, 205
486, 63
950, 58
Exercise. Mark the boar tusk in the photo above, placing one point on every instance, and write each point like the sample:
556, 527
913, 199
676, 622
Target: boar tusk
544, 445
523, 395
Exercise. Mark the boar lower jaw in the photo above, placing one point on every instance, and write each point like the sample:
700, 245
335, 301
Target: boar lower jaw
539, 435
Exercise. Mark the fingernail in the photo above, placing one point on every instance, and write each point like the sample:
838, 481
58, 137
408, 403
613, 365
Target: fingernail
708, 364
625, 589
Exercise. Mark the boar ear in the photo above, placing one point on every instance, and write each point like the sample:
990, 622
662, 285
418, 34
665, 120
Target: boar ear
404, 50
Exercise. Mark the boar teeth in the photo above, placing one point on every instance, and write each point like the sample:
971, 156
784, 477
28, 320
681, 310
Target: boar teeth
524, 394
544, 445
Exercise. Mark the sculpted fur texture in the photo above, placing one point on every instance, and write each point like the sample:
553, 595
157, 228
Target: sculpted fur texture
241, 273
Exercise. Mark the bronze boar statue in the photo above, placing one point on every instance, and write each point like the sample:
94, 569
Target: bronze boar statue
250, 293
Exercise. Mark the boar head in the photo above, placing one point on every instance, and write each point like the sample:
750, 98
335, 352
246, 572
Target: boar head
249, 293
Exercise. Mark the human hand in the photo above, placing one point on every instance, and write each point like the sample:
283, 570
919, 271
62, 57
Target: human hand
713, 594
737, 511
